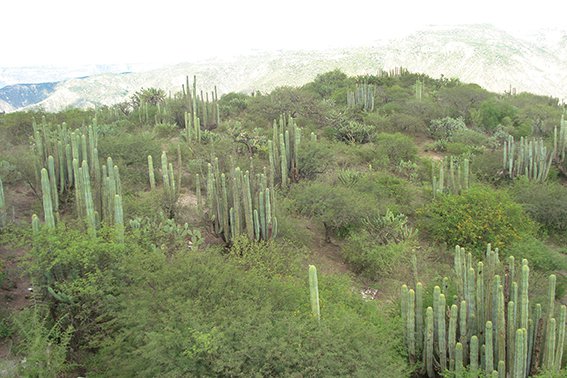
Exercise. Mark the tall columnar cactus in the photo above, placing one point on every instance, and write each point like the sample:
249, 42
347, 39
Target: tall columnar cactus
89, 202
251, 200
2, 206
503, 335
118, 218
429, 342
362, 97
35, 224
529, 157
453, 176
47, 199
151, 173
314, 292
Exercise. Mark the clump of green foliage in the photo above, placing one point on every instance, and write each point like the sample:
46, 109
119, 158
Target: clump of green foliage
476, 217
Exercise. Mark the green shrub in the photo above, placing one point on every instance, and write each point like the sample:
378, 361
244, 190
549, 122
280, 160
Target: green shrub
340, 209
42, 344
538, 254
200, 315
130, 152
396, 147
371, 259
445, 128
544, 202
476, 217
314, 158
389, 192
353, 132
267, 258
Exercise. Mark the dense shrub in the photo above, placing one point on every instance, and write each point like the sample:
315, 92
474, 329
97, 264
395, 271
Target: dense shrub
314, 158
538, 254
396, 147
353, 132
445, 128
199, 315
371, 259
339, 208
476, 217
130, 152
544, 202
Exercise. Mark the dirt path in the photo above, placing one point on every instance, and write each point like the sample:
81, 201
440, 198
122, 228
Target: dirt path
14, 292
326, 256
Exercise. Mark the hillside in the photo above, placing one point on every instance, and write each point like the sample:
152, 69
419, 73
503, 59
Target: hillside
479, 54
326, 230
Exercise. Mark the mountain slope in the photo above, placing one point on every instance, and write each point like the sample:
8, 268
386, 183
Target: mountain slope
482, 54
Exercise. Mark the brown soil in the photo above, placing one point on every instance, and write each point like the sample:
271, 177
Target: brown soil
15, 293
326, 256
19, 199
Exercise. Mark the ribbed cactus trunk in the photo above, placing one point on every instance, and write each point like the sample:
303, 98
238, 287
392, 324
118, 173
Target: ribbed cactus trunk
429, 342
314, 292
151, 173
2, 206
118, 218
47, 199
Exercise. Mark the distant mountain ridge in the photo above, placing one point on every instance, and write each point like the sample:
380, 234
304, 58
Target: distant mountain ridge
480, 54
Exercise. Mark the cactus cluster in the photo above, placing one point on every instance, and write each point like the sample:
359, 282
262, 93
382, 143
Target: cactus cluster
489, 326
283, 152
453, 176
203, 110
240, 203
362, 97
529, 158
68, 160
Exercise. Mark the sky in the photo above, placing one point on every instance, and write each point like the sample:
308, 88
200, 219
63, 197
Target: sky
65, 32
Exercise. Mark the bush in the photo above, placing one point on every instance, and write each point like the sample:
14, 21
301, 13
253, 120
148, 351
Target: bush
200, 315
445, 128
314, 158
478, 216
538, 254
340, 209
371, 259
396, 147
130, 152
353, 132
544, 202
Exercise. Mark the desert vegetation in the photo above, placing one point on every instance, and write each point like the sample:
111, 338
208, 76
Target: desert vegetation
269, 234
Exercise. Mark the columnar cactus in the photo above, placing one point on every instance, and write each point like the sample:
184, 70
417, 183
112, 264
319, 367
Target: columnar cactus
314, 292
2, 206
151, 173
47, 199
498, 332
529, 158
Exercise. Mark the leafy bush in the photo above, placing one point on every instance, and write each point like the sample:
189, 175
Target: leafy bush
476, 217
445, 128
130, 152
267, 258
372, 259
353, 132
538, 254
396, 146
340, 209
43, 344
200, 315
544, 202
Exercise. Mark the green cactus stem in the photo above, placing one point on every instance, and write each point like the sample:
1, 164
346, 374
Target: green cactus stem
314, 292
47, 199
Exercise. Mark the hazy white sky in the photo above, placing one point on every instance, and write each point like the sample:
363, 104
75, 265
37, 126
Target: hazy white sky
35, 32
